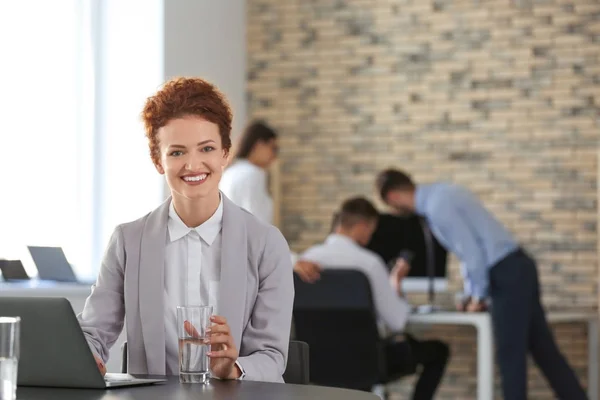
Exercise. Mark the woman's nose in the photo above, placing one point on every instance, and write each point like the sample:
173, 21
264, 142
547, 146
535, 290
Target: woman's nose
194, 162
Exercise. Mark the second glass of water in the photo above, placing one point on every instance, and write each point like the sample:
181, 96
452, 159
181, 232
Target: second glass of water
9, 356
192, 323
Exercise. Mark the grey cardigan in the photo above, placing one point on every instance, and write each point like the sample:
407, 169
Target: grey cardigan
256, 293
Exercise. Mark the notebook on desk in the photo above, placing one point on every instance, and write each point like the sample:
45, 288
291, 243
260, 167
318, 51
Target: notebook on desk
54, 351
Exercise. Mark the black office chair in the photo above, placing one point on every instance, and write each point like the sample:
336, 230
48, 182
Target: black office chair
337, 319
297, 369
124, 356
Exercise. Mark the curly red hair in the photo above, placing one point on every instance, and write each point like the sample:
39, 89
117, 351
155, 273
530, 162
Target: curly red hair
181, 97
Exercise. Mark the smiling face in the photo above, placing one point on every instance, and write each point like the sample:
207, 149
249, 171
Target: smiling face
192, 157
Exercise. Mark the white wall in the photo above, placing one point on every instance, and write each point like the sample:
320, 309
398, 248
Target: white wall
207, 38
129, 68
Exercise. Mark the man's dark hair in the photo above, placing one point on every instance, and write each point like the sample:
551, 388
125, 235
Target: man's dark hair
258, 131
355, 210
393, 179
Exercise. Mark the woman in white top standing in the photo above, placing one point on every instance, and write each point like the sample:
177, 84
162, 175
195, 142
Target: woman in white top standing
245, 181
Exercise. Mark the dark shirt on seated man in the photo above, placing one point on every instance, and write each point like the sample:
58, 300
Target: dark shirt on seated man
344, 249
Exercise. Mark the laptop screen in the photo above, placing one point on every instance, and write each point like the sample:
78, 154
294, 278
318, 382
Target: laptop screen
13, 270
52, 264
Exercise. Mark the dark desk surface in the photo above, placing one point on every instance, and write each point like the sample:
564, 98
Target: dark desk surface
217, 390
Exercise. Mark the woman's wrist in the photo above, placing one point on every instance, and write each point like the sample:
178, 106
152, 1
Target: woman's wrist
235, 372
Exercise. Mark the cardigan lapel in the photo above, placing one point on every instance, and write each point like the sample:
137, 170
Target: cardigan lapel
151, 287
234, 267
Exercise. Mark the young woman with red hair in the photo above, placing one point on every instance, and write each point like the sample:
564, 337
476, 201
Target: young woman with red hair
197, 248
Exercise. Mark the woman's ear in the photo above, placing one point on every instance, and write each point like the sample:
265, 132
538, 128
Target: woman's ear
159, 168
225, 160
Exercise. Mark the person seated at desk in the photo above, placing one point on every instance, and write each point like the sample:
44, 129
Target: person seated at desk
245, 181
343, 249
495, 266
197, 248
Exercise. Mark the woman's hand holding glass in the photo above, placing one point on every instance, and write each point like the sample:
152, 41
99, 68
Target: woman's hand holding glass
223, 353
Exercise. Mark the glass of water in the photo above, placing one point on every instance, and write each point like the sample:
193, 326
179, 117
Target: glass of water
192, 323
9, 356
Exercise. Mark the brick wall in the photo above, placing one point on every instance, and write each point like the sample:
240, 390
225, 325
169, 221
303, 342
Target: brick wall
502, 96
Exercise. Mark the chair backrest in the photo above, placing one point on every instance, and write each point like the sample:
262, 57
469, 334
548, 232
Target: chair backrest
296, 371
297, 368
124, 356
337, 319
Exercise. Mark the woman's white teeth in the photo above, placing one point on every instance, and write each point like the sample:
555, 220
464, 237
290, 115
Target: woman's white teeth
196, 178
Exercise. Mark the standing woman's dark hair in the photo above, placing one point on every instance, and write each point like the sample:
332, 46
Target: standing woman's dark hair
255, 132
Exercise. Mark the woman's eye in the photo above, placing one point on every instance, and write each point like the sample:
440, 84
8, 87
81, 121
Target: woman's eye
176, 153
207, 149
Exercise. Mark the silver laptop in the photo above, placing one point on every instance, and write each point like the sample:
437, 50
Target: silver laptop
54, 352
52, 264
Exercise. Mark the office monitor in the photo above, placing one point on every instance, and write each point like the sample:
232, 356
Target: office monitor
395, 234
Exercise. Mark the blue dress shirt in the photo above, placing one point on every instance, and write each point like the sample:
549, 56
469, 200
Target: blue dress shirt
463, 226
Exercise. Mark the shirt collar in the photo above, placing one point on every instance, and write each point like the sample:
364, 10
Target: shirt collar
421, 196
208, 231
337, 238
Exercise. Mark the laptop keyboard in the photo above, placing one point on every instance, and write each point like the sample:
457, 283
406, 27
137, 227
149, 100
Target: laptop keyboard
124, 378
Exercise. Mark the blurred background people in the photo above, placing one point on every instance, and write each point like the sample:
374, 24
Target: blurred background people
245, 181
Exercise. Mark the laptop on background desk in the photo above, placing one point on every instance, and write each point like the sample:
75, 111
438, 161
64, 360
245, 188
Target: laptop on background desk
52, 265
54, 351
13, 270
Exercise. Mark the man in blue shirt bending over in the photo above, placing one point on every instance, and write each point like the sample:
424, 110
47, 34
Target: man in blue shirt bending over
494, 266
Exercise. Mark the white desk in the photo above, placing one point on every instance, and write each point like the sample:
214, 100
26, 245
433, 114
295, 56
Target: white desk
75, 293
485, 343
